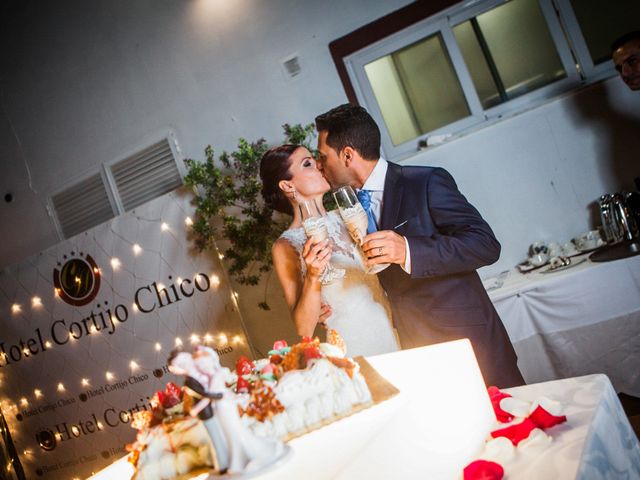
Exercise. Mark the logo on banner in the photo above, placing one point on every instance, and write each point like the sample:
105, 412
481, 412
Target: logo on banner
78, 280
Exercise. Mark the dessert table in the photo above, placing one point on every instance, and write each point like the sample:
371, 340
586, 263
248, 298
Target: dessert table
440, 419
578, 321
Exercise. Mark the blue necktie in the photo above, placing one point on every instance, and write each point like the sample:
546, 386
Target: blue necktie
364, 196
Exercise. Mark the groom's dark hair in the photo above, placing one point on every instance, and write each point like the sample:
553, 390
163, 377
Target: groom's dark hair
351, 126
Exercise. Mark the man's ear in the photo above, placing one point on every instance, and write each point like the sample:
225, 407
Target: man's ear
348, 155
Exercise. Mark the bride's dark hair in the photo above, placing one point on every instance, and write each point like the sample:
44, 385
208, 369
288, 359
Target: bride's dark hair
274, 166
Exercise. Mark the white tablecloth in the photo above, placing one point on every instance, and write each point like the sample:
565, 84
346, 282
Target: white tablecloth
596, 442
393, 440
579, 321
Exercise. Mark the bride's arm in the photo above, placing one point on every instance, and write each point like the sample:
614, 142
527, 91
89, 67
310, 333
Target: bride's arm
301, 294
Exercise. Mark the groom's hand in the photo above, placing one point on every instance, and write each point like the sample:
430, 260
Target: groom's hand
384, 246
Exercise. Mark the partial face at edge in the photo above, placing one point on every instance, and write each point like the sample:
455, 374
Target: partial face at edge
627, 62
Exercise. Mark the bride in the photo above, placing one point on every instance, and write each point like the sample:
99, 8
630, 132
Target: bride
355, 305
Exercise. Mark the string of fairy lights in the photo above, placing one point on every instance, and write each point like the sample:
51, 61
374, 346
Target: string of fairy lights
150, 335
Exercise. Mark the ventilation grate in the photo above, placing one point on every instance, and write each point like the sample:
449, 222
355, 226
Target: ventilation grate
146, 175
82, 206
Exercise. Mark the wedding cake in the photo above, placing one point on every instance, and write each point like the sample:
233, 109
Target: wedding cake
296, 389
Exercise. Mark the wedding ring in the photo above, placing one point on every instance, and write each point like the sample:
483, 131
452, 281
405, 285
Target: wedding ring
379, 250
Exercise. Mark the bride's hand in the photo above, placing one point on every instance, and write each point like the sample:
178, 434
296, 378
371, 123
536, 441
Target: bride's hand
316, 257
325, 313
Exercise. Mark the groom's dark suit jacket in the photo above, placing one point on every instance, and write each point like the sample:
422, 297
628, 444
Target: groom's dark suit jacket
443, 299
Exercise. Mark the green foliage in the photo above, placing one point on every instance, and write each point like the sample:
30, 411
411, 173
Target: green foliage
229, 205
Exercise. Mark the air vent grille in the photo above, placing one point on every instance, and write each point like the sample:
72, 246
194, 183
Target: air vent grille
82, 206
146, 175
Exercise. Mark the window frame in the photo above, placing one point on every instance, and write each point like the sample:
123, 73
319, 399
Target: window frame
565, 33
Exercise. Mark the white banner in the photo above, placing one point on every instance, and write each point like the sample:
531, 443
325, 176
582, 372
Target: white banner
87, 326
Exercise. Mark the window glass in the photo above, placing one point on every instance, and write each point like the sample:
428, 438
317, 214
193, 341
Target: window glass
483, 80
602, 22
417, 89
512, 46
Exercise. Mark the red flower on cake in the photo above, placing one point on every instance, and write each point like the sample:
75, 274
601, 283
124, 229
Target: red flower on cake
483, 470
543, 419
242, 386
279, 344
244, 366
495, 395
306, 339
171, 396
310, 353
275, 359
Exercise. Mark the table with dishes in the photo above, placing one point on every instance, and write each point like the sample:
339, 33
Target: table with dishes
574, 321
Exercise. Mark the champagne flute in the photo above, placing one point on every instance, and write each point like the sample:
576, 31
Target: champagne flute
355, 219
315, 226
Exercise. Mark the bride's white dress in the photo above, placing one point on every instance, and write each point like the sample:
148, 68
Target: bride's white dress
360, 310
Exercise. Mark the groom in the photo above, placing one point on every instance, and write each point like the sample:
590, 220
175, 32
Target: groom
433, 238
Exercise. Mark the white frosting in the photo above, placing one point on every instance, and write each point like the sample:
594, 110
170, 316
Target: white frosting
160, 461
311, 396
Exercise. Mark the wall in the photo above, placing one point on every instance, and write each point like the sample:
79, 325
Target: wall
83, 83
537, 176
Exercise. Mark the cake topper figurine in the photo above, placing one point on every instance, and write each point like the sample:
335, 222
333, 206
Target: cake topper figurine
236, 447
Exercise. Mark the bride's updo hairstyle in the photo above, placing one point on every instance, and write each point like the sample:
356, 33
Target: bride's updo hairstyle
274, 167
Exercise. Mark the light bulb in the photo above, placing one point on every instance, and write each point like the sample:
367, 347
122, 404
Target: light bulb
37, 393
188, 221
115, 263
24, 402
208, 338
109, 376
222, 338
60, 387
16, 308
85, 382
178, 342
134, 366
215, 280
137, 249
164, 227
158, 347
195, 338
36, 302
48, 344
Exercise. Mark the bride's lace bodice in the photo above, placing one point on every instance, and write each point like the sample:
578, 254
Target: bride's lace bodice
361, 312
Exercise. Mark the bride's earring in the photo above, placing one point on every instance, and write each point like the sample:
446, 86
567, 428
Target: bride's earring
293, 193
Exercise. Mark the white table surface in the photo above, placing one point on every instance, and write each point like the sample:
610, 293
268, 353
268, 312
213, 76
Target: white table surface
574, 322
394, 439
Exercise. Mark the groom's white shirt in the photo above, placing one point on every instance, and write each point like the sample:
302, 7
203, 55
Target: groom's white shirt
375, 185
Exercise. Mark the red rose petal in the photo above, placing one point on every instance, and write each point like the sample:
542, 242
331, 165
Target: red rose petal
516, 433
495, 395
543, 419
483, 470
